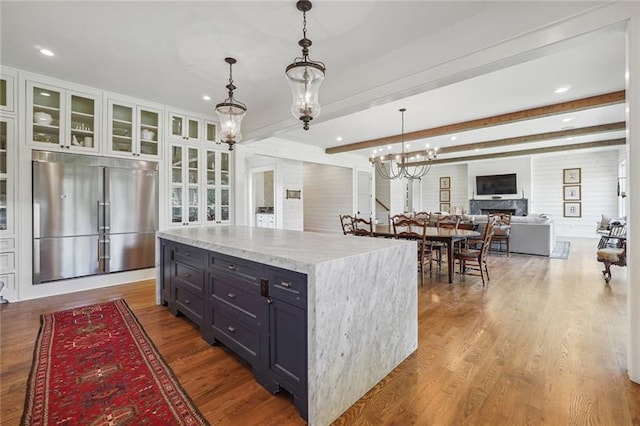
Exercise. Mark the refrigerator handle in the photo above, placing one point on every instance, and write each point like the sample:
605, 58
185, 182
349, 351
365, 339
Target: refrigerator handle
103, 217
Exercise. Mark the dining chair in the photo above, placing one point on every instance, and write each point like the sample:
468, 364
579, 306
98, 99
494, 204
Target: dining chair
471, 259
346, 221
362, 227
422, 216
612, 250
412, 229
501, 230
397, 217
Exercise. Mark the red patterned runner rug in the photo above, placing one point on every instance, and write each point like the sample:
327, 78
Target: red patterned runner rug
95, 365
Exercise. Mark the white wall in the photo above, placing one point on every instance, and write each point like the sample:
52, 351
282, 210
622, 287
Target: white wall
431, 187
328, 193
598, 189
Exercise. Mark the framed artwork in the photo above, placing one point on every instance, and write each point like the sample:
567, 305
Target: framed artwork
445, 207
572, 209
445, 182
571, 175
445, 196
572, 193
293, 193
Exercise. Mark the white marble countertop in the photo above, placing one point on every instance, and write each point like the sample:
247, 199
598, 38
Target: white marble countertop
275, 246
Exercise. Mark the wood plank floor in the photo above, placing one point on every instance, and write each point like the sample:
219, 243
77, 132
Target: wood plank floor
543, 344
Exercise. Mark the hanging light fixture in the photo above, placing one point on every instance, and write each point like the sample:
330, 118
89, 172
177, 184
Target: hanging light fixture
397, 166
230, 113
305, 76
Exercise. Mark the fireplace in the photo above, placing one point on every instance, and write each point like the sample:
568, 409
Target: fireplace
490, 211
517, 207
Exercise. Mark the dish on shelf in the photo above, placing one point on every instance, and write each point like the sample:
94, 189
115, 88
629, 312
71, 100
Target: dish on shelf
120, 131
148, 134
40, 117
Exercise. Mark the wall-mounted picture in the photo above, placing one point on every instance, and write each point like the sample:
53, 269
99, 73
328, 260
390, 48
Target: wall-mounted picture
445, 207
445, 196
573, 209
445, 182
572, 193
293, 193
571, 175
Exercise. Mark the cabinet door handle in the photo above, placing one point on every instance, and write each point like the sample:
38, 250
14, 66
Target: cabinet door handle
187, 301
231, 296
187, 275
231, 329
232, 267
286, 284
187, 253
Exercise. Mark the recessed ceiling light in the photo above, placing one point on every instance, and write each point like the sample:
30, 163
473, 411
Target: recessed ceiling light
567, 119
206, 97
426, 146
477, 149
569, 138
563, 89
407, 145
46, 52
389, 147
453, 138
339, 138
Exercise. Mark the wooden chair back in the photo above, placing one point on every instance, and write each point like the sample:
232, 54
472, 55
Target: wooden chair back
449, 222
396, 217
346, 221
422, 216
363, 227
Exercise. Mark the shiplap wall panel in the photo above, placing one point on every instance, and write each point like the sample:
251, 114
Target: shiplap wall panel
431, 187
290, 175
598, 189
327, 193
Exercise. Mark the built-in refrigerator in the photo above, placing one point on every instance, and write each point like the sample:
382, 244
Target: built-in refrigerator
92, 215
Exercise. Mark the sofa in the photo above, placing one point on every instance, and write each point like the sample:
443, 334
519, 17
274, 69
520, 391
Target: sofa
532, 234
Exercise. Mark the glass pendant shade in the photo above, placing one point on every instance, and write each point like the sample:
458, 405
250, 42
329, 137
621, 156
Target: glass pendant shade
305, 76
230, 113
230, 116
305, 79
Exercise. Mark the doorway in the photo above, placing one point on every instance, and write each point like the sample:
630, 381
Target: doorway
261, 197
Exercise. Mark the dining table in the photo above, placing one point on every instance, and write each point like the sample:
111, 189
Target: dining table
446, 235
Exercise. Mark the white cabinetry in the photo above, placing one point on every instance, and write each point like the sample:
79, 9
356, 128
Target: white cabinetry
199, 185
134, 130
60, 119
183, 127
265, 220
7, 207
8, 80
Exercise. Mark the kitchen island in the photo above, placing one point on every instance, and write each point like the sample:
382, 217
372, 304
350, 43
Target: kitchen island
357, 296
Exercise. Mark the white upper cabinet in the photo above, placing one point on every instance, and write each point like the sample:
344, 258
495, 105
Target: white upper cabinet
8, 81
62, 119
7, 174
183, 127
133, 130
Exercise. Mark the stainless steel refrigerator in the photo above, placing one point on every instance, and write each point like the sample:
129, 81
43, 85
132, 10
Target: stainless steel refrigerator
92, 215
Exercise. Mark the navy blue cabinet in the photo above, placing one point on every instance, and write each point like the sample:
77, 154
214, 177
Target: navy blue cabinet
257, 311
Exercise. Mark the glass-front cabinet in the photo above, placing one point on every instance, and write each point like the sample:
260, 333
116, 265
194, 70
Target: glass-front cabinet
184, 127
62, 119
133, 130
200, 186
7, 90
7, 173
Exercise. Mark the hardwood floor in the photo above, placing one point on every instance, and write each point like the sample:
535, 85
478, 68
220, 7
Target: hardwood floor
544, 343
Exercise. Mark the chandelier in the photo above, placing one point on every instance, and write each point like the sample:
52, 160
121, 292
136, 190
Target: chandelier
397, 166
305, 76
230, 113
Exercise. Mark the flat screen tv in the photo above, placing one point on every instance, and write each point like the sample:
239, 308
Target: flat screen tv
496, 184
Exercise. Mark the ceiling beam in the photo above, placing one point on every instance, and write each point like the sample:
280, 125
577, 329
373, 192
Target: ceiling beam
512, 117
532, 151
538, 137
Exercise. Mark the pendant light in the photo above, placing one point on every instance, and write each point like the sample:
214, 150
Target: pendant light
305, 76
230, 113
396, 166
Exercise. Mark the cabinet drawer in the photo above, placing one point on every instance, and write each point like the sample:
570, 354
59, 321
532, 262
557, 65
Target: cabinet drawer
190, 255
240, 268
239, 335
7, 261
192, 278
7, 244
189, 304
241, 295
288, 286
